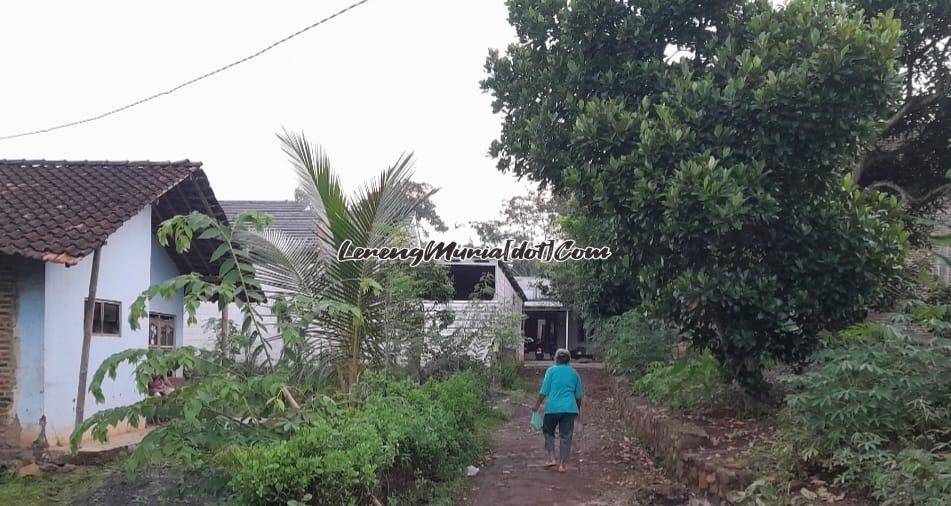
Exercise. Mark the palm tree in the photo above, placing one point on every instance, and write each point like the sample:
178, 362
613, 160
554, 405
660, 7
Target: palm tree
346, 332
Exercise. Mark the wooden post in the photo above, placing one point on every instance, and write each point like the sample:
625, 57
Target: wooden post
566, 330
87, 337
225, 327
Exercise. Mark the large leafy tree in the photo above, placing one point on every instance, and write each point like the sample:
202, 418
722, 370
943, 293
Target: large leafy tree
532, 217
709, 144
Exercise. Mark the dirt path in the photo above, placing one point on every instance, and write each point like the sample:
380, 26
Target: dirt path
607, 466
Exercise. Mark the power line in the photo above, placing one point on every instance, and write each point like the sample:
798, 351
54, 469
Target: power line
190, 81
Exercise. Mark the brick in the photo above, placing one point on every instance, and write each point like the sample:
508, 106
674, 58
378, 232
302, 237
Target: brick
8, 298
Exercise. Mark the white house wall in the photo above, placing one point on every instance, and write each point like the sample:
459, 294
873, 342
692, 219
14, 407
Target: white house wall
126, 269
29, 400
162, 268
195, 333
504, 291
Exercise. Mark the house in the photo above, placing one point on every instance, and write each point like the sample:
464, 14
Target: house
501, 293
549, 324
296, 220
292, 218
56, 218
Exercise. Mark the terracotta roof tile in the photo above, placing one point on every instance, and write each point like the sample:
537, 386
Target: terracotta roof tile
60, 211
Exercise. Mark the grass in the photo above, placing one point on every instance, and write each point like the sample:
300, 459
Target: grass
51, 488
521, 391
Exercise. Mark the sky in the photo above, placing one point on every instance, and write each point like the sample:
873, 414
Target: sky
389, 77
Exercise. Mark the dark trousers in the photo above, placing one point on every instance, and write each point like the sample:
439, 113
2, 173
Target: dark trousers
566, 425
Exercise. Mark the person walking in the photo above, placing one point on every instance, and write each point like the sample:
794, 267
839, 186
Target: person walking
561, 392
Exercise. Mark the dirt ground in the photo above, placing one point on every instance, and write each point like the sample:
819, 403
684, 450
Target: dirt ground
153, 487
607, 466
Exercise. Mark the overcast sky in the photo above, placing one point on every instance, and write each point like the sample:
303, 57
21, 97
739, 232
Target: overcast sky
388, 77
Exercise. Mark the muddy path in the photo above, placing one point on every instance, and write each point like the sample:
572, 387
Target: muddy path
607, 466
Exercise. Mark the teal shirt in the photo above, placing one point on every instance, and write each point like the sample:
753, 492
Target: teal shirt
562, 389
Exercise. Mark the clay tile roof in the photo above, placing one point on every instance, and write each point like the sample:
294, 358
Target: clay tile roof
60, 211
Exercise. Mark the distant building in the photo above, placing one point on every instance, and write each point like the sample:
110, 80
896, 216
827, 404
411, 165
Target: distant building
292, 218
549, 324
504, 295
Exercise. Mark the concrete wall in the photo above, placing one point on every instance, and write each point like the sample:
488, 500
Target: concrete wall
162, 268
195, 333
31, 315
127, 268
504, 291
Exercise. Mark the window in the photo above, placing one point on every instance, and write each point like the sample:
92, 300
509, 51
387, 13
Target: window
473, 281
106, 318
161, 330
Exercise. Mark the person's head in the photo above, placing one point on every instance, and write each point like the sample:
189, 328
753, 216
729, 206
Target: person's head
562, 356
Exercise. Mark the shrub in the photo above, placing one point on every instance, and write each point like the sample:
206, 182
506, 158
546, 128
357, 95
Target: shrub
333, 462
889, 388
876, 411
630, 343
401, 431
462, 395
685, 383
417, 432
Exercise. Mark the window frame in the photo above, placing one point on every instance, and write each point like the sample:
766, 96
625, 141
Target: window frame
160, 316
102, 314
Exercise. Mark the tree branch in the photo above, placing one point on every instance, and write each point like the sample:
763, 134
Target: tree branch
906, 197
913, 104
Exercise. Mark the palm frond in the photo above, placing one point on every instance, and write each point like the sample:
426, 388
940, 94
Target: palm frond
288, 265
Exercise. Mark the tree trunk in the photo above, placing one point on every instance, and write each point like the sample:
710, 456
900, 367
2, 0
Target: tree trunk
223, 334
87, 337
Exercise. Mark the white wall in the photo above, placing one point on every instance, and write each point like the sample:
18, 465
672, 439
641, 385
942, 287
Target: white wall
162, 268
468, 314
125, 271
196, 335
29, 331
504, 291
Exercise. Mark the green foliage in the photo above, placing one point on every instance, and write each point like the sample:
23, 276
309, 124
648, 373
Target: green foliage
508, 372
630, 343
876, 410
686, 383
416, 313
599, 290
372, 217
341, 459
333, 462
719, 179
220, 407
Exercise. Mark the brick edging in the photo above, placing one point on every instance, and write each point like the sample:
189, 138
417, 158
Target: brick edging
683, 449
